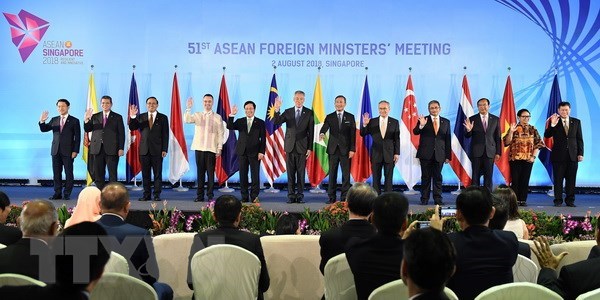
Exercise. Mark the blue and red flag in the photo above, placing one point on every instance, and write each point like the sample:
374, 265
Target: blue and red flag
461, 163
544, 154
361, 162
133, 165
227, 163
273, 163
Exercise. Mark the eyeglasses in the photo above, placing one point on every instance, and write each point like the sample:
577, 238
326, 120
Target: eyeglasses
525, 116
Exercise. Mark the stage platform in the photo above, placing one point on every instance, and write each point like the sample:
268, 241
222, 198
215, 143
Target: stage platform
277, 201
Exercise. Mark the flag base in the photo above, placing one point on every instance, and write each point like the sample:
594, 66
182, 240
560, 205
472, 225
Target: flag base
181, 189
457, 192
272, 190
550, 193
317, 190
410, 192
226, 190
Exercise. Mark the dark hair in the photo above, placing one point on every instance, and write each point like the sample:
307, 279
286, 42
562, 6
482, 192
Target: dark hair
299, 92
114, 196
4, 201
65, 264
152, 97
63, 100
286, 224
227, 208
521, 111
486, 99
208, 95
106, 97
510, 198
250, 102
360, 199
389, 213
564, 103
500, 214
433, 102
429, 258
340, 96
475, 204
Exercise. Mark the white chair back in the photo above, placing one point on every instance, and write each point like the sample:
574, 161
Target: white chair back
225, 272
525, 270
117, 286
2, 246
591, 295
339, 280
396, 290
18, 280
117, 264
518, 290
578, 251
173, 268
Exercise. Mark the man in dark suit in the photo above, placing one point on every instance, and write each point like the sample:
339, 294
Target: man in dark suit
485, 257
385, 150
360, 202
376, 261
429, 259
227, 213
8, 234
65, 146
434, 150
31, 255
299, 133
566, 154
107, 141
250, 147
134, 243
484, 131
340, 146
153, 147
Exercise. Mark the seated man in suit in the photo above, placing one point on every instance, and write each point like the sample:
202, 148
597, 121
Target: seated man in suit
376, 261
30, 256
484, 256
360, 202
429, 261
228, 212
114, 202
8, 234
500, 218
69, 283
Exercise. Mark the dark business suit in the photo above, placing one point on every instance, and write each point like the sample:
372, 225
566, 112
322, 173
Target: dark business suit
228, 234
298, 140
374, 262
383, 150
484, 258
485, 145
434, 150
564, 154
342, 140
574, 279
333, 242
106, 141
249, 144
27, 257
9, 235
64, 143
154, 142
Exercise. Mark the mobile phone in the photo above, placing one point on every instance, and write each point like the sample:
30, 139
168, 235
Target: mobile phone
448, 212
423, 224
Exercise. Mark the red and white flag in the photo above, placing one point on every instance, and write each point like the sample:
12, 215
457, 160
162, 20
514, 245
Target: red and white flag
178, 157
408, 164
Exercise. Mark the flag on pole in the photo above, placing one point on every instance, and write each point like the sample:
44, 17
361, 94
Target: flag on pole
93, 104
274, 160
507, 117
318, 161
227, 163
361, 162
178, 157
460, 162
133, 165
544, 153
408, 164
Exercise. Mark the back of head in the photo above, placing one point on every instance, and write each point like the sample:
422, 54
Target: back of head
475, 205
500, 203
286, 224
84, 235
227, 208
360, 199
509, 196
389, 213
4, 201
114, 197
38, 218
429, 258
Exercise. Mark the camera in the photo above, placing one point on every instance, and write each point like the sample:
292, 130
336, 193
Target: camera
448, 212
422, 224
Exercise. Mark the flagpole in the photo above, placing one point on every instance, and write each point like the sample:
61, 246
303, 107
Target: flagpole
458, 191
226, 188
550, 192
135, 187
271, 189
180, 188
317, 189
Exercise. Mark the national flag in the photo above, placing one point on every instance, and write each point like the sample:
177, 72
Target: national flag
460, 162
544, 153
507, 117
408, 164
93, 104
273, 163
361, 162
227, 163
318, 161
133, 165
178, 157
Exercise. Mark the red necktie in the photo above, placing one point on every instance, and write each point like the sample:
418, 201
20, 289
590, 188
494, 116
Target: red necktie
62, 123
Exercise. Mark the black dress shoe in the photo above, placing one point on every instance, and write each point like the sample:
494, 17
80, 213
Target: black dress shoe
144, 199
245, 200
557, 204
299, 200
290, 201
66, 198
330, 201
199, 199
571, 205
423, 202
55, 197
440, 203
157, 199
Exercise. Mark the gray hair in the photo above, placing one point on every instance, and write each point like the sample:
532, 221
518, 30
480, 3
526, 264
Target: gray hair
37, 217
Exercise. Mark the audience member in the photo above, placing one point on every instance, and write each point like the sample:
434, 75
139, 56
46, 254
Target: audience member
515, 223
484, 256
87, 208
500, 218
114, 202
27, 256
287, 224
8, 234
360, 205
429, 261
376, 261
227, 213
